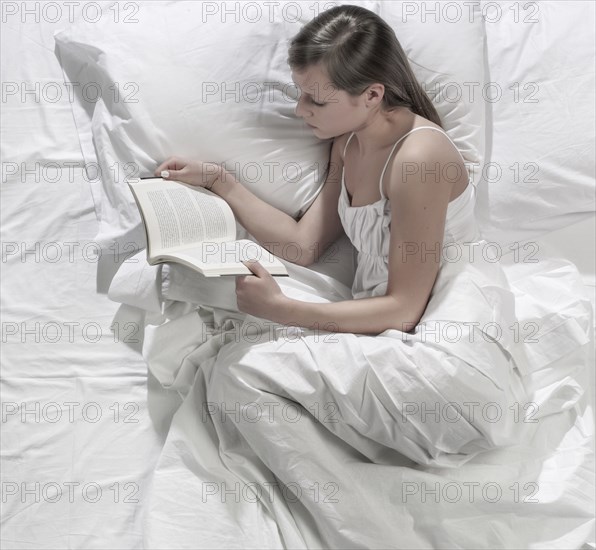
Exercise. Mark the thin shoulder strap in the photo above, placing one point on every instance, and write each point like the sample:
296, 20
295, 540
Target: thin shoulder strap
404, 136
346, 145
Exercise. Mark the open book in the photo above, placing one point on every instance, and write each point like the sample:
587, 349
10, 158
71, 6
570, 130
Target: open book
195, 227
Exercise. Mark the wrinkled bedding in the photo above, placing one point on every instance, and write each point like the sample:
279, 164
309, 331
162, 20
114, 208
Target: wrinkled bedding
170, 472
290, 437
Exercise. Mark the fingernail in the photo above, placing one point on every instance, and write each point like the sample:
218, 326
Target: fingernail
165, 174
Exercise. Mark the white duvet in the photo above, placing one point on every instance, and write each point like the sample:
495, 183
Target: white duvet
536, 494
291, 438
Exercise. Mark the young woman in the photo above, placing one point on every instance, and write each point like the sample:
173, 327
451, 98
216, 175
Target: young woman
398, 187
393, 183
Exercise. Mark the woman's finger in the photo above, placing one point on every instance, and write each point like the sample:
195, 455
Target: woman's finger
170, 174
256, 268
172, 163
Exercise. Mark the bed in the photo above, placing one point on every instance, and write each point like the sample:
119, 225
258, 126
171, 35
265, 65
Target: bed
107, 441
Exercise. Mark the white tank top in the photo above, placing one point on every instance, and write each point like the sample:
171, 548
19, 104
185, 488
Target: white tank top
368, 227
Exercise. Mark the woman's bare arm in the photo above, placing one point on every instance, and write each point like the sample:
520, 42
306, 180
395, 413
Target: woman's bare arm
273, 229
419, 206
362, 316
319, 227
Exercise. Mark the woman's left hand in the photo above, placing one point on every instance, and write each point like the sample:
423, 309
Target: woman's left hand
260, 295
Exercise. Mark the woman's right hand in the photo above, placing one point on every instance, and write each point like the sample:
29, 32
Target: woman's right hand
193, 172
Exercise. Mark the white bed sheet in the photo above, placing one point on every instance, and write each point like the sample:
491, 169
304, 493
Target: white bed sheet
120, 451
76, 398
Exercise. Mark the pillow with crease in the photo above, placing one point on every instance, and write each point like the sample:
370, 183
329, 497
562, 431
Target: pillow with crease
170, 84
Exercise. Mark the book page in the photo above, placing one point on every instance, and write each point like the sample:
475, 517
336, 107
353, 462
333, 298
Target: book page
225, 258
178, 216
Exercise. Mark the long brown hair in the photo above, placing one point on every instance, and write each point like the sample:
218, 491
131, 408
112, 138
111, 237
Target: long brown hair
358, 48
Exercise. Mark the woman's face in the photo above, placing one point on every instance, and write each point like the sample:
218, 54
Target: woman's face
329, 111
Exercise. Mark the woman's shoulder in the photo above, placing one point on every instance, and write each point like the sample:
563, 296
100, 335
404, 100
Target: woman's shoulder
427, 153
427, 140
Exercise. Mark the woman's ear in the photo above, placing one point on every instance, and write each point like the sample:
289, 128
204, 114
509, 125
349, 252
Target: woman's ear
374, 93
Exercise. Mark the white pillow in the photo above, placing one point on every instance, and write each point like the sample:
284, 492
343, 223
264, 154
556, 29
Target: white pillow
540, 167
179, 59
190, 85
173, 69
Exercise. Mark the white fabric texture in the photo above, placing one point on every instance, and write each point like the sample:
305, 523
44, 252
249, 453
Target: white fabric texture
540, 167
159, 453
240, 110
78, 439
268, 411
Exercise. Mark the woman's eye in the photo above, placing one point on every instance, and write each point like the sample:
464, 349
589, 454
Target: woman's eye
299, 95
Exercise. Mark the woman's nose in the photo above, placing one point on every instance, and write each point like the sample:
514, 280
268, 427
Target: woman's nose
300, 110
